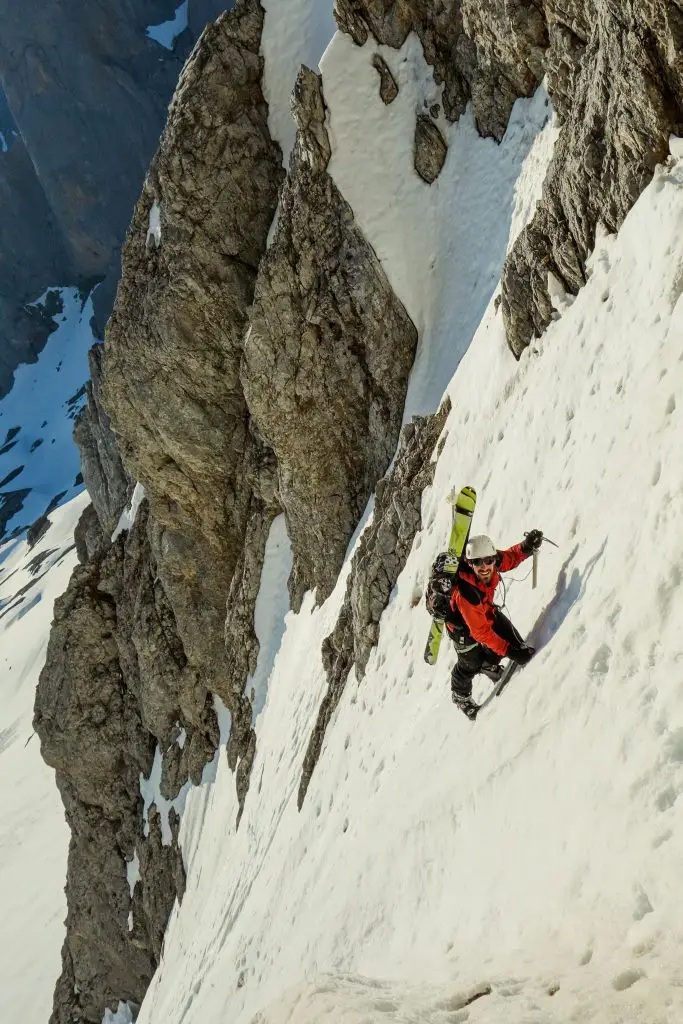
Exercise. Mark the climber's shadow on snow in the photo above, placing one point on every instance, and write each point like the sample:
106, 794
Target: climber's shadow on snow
568, 591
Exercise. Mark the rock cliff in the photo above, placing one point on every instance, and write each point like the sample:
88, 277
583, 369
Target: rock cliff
326, 359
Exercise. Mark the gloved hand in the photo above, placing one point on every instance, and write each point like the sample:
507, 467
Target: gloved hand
521, 655
532, 541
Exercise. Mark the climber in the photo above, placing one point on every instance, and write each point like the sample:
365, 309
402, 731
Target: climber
482, 634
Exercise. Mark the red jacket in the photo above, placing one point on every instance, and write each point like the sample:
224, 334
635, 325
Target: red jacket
474, 599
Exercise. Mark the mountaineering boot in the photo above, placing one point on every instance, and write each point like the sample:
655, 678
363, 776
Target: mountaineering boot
494, 672
466, 705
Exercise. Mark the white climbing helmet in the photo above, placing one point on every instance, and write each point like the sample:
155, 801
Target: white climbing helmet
480, 547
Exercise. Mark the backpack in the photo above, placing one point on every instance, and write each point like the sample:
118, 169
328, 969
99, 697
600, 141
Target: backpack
440, 585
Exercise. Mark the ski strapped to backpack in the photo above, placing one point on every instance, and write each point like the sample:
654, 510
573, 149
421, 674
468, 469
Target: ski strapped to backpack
445, 567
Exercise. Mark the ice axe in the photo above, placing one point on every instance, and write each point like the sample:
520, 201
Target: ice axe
534, 563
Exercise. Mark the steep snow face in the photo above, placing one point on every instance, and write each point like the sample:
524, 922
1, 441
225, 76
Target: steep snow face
34, 837
531, 860
442, 245
295, 32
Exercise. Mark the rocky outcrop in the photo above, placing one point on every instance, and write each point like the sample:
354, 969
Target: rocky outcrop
430, 149
388, 89
201, 12
115, 687
327, 357
174, 343
381, 556
105, 478
615, 74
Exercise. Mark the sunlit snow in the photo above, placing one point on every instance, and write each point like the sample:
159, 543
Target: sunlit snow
525, 868
127, 517
33, 834
272, 605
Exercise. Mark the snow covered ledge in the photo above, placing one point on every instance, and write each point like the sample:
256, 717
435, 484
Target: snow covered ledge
442, 246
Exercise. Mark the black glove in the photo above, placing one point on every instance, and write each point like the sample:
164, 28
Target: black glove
521, 655
532, 541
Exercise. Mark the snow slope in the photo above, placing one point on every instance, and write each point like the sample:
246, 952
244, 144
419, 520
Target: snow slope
525, 868
34, 837
443, 245
40, 459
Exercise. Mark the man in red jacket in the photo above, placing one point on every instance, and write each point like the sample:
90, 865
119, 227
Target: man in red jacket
481, 633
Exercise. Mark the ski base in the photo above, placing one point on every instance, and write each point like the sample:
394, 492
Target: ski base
463, 510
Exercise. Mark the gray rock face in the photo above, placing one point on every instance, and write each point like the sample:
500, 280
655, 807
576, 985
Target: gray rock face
90, 541
115, 685
91, 734
430, 149
388, 88
174, 343
615, 74
327, 358
377, 564
105, 478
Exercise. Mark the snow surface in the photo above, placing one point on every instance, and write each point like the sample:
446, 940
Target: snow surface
124, 1015
523, 869
428, 237
272, 605
295, 32
127, 517
168, 31
532, 859
44, 401
151, 794
33, 834
154, 226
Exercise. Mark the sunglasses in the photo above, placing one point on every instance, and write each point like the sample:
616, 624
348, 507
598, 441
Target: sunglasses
489, 560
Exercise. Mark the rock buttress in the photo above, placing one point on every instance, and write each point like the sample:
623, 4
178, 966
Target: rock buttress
113, 689
327, 357
174, 343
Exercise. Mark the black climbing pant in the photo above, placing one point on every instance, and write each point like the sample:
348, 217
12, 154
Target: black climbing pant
473, 656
